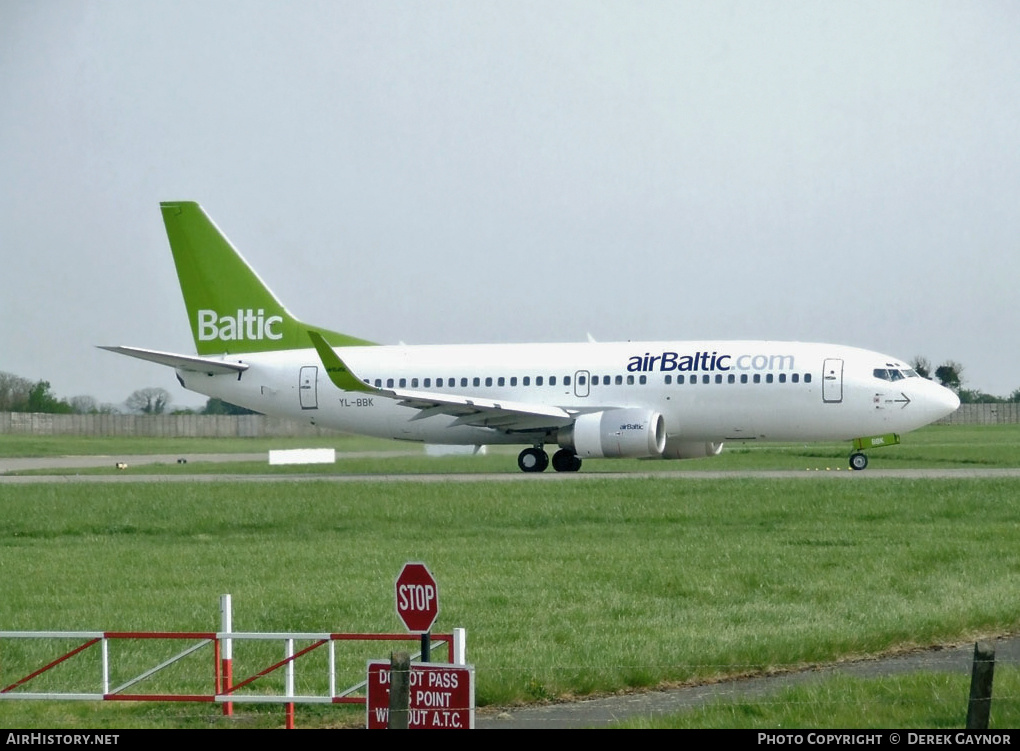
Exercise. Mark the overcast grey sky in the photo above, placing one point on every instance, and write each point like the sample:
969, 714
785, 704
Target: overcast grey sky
516, 171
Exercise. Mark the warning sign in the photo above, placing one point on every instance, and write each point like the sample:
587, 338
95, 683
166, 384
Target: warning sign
442, 696
417, 597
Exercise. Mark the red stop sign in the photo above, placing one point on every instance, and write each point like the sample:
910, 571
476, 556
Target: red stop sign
417, 597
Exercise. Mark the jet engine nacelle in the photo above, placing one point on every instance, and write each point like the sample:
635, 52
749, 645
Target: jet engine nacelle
676, 449
634, 433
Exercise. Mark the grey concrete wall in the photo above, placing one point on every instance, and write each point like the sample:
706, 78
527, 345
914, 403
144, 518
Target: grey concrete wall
260, 426
984, 414
163, 426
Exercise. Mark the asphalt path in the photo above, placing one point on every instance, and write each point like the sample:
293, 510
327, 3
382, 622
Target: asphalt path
604, 712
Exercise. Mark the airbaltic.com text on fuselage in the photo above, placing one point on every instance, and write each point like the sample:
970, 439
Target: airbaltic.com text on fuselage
707, 362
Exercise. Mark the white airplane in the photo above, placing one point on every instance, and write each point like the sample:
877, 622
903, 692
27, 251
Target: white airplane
668, 400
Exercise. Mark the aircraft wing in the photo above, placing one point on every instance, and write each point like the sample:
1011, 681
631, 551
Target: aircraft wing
181, 362
487, 413
468, 410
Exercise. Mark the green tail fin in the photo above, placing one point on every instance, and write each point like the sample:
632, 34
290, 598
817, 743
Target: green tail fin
231, 310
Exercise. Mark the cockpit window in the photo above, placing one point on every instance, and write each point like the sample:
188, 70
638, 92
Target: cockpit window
893, 374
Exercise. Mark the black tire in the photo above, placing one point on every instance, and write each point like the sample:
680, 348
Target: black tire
565, 460
533, 460
858, 461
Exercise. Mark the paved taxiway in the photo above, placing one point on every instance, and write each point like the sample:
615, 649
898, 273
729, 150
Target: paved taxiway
181, 473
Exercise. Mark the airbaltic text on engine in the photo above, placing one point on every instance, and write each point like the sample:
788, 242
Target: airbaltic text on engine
707, 361
248, 324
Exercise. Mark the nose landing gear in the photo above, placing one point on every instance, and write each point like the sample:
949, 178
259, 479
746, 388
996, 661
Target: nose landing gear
858, 461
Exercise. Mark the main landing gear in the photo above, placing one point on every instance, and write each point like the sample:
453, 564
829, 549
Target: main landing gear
565, 460
536, 460
533, 460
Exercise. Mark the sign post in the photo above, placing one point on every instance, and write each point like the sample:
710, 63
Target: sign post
440, 696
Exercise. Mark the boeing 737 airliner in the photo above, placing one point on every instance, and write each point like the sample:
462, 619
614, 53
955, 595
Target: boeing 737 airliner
669, 400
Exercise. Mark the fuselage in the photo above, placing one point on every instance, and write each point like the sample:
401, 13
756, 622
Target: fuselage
706, 391
671, 399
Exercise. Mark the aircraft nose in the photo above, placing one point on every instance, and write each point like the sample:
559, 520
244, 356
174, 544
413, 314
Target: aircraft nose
944, 401
952, 401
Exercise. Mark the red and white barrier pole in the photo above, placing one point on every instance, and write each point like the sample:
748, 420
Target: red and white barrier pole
227, 652
289, 684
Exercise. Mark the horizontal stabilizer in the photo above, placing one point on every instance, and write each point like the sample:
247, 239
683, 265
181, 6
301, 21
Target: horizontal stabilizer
181, 362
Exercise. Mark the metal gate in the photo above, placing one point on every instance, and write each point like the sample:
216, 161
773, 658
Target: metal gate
212, 676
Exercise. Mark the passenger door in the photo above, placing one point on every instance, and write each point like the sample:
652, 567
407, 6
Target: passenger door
832, 381
308, 391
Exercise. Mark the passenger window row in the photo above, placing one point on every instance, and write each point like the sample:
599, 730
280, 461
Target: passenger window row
465, 382
582, 380
743, 378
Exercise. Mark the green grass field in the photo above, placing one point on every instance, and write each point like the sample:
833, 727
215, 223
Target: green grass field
566, 589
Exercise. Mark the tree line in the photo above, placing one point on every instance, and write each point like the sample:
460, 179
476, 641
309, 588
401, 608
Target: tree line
950, 375
19, 394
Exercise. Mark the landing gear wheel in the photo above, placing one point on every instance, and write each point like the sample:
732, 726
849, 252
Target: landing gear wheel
533, 460
566, 461
858, 461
